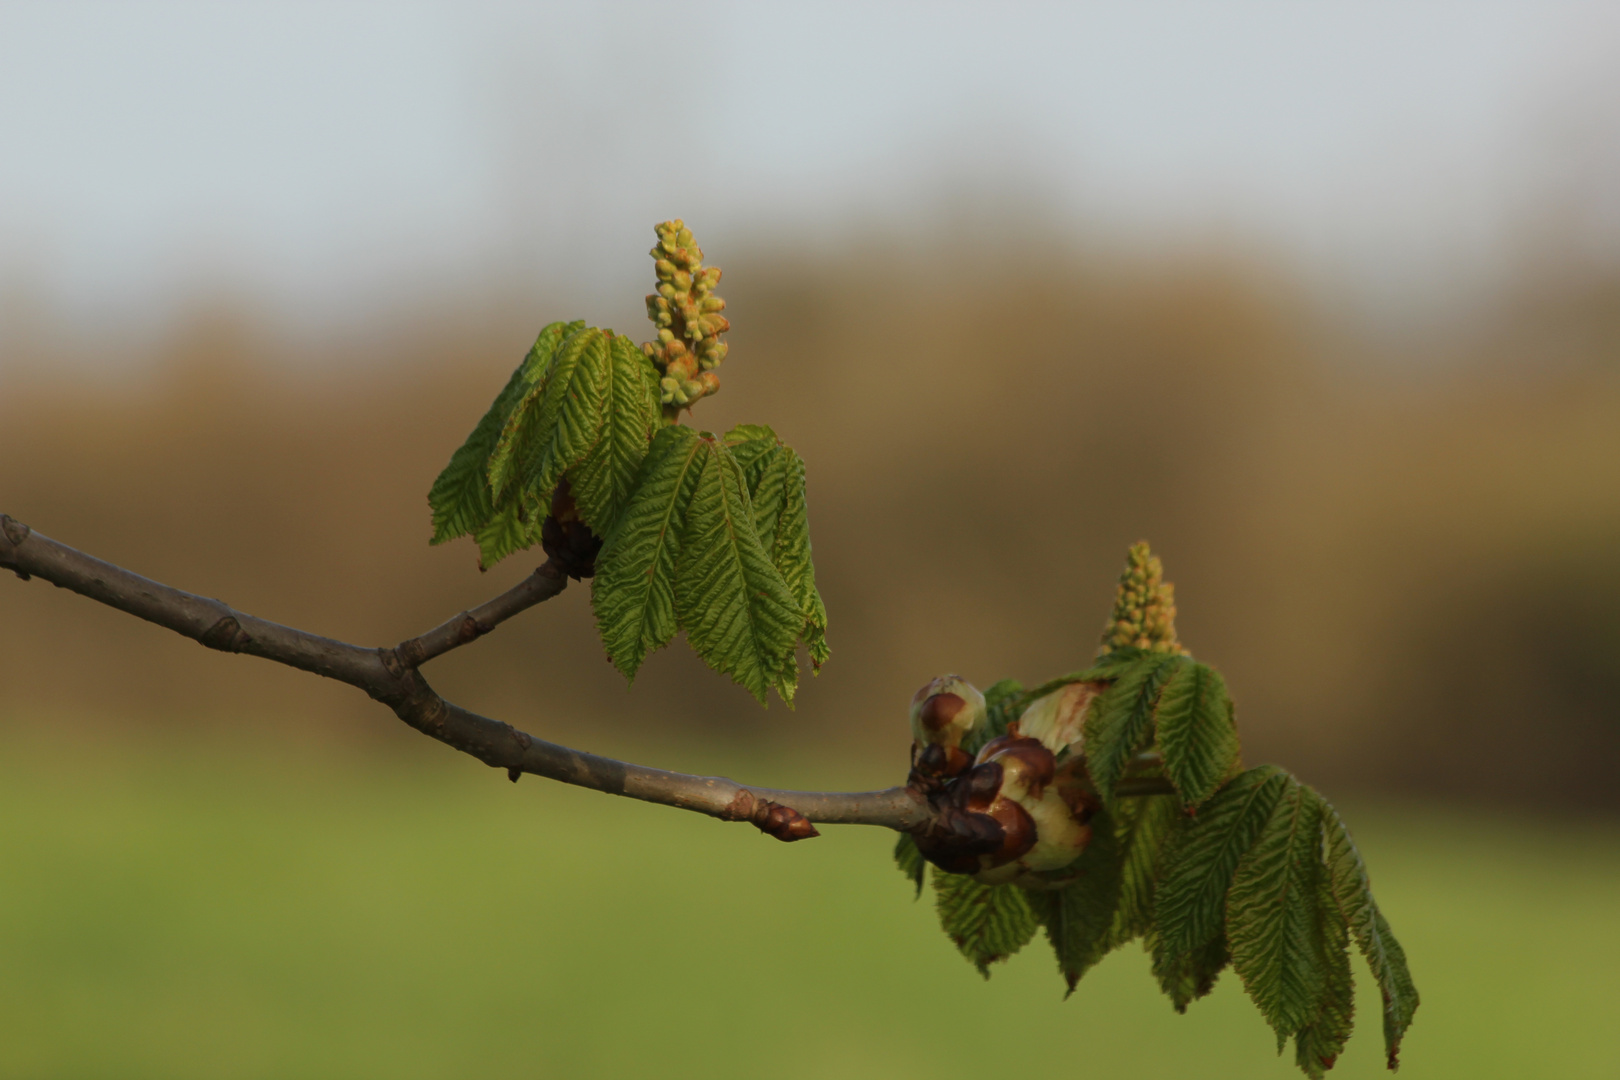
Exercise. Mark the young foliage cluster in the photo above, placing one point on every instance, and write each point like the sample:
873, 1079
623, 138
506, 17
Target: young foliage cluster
1135, 760
1251, 869
584, 451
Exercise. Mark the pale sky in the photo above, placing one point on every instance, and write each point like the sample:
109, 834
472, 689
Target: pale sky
330, 156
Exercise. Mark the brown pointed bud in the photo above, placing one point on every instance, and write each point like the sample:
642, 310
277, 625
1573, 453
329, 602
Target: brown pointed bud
783, 822
773, 819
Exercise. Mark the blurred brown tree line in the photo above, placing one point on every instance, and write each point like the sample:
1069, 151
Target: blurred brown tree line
1406, 561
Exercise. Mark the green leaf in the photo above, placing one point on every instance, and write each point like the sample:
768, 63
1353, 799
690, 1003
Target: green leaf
602, 481
633, 592
513, 528
687, 552
521, 431
1190, 902
752, 445
1318, 1045
790, 551
768, 478
910, 860
1112, 663
1186, 977
1119, 723
1106, 668
987, 922
775, 477
1195, 732
1144, 826
1271, 917
1352, 896
1080, 916
1006, 697
738, 613
549, 419
460, 498
541, 443
1003, 703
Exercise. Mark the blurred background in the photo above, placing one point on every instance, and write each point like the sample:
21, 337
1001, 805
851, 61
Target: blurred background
1324, 301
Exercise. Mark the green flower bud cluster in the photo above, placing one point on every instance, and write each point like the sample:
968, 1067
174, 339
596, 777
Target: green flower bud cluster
686, 312
1144, 608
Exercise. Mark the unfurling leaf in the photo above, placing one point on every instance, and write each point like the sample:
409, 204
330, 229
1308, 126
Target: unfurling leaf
1145, 827
1271, 914
1209, 865
735, 608
1353, 897
1318, 1044
633, 592
557, 424
910, 860
582, 451
603, 480
1195, 732
775, 476
460, 499
1189, 976
1002, 703
987, 922
1190, 903
582, 406
1119, 723
686, 552
1079, 917
513, 527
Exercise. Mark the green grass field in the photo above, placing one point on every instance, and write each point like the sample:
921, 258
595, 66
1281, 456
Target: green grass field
239, 911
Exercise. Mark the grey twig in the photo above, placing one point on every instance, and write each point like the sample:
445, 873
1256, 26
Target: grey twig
391, 676
546, 581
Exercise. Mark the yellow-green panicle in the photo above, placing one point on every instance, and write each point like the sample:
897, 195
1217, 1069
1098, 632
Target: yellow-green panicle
1144, 608
686, 311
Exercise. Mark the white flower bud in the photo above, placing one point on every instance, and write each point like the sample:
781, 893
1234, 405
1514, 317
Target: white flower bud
945, 711
1029, 779
1059, 718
